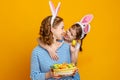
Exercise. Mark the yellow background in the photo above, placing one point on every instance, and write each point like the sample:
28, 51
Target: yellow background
19, 28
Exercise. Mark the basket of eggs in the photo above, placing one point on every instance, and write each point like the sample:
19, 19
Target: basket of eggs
63, 69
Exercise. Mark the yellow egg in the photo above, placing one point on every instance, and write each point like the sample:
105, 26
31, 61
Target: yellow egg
74, 42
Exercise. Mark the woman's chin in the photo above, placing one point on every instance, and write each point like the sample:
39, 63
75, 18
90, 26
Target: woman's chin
60, 38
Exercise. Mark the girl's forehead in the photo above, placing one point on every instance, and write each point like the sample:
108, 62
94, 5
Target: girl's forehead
73, 31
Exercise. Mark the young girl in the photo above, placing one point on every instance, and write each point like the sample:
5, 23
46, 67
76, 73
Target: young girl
73, 36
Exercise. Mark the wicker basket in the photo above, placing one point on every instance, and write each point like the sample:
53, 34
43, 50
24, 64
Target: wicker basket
62, 72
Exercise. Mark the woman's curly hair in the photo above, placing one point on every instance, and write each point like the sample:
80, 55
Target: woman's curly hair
46, 36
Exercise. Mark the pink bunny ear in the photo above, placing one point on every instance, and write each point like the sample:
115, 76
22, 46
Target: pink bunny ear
87, 19
86, 29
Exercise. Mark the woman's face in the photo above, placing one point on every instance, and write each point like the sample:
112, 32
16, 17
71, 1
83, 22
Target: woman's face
70, 34
58, 31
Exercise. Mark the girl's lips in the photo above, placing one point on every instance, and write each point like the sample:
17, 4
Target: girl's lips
66, 36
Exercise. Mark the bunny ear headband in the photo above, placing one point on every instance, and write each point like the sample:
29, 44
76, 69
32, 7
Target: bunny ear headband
84, 23
54, 11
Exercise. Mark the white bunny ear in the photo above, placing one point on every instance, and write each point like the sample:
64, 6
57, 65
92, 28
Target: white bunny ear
85, 29
57, 9
87, 19
84, 23
54, 11
52, 8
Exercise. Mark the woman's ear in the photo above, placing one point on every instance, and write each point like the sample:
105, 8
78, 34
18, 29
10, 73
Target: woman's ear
52, 29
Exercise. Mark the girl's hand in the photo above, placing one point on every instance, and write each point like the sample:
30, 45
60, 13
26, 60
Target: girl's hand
72, 49
53, 54
73, 73
53, 51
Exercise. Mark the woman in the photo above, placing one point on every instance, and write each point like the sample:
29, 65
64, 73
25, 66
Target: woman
41, 61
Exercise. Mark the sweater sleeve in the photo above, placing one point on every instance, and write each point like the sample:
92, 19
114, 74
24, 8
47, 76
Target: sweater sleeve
36, 73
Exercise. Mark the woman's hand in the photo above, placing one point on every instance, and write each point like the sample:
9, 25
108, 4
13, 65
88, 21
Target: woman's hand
51, 73
72, 73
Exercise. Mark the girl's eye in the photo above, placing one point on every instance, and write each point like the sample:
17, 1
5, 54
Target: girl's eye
71, 34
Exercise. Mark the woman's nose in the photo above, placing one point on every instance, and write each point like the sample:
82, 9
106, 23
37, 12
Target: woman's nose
67, 31
63, 31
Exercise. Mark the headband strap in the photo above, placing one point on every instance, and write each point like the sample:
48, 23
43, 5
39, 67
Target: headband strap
84, 24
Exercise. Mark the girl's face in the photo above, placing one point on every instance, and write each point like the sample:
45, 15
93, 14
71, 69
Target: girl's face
70, 34
58, 31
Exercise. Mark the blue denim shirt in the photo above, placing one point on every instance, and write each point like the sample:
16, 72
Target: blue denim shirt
41, 62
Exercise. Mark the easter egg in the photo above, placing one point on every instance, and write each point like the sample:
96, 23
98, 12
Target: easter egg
74, 42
